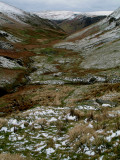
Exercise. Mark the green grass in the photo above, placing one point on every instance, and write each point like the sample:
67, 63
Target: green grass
48, 51
3, 103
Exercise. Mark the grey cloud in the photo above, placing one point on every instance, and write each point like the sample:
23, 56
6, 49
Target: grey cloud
73, 5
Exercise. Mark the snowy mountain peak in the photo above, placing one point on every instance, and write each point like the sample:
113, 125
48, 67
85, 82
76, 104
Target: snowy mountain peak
12, 12
63, 15
57, 15
7, 9
116, 14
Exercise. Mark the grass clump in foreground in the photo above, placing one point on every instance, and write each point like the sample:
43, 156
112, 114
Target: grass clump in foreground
60, 132
8, 156
96, 134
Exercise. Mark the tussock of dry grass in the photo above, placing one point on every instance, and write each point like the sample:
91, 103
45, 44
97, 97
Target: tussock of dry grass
79, 114
104, 89
80, 131
60, 125
81, 134
41, 121
49, 96
3, 122
8, 156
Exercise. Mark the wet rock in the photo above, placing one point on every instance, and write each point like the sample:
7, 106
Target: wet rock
3, 91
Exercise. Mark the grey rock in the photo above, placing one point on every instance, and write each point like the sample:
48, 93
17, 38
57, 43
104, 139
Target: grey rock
6, 62
101, 102
5, 45
89, 79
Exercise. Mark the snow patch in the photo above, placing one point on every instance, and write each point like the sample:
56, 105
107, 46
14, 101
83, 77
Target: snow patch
85, 107
4, 129
52, 119
106, 105
50, 150
116, 134
69, 117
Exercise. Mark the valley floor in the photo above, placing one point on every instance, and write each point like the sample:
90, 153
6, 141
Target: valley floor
57, 110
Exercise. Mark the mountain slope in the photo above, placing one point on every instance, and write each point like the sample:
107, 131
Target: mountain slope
80, 21
11, 15
20, 32
72, 21
11, 11
99, 43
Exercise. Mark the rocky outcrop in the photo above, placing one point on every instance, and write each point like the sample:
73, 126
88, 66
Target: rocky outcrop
9, 63
5, 45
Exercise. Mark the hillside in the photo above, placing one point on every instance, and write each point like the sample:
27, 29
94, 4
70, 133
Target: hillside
20, 30
59, 95
10, 15
96, 42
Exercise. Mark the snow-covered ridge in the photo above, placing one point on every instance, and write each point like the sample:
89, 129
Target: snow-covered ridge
57, 15
116, 14
62, 15
11, 11
11, 15
7, 9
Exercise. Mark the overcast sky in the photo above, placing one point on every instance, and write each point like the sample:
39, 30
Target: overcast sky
69, 5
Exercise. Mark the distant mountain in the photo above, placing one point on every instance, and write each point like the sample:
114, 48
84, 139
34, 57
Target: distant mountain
65, 15
57, 15
72, 21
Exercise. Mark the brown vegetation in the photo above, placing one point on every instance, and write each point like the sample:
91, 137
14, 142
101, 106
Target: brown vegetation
8, 156
42, 122
81, 134
87, 32
3, 122
17, 104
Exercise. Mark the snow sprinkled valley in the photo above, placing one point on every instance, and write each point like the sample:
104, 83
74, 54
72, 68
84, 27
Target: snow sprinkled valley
54, 132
